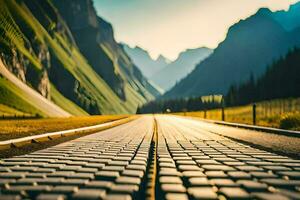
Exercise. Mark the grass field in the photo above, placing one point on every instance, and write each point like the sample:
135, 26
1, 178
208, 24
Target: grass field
10, 129
280, 113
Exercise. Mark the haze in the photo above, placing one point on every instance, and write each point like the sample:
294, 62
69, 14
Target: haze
170, 26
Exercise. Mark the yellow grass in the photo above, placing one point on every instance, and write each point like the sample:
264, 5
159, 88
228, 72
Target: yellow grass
10, 129
8, 111
269, 113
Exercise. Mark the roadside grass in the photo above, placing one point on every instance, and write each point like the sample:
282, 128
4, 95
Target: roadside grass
290, 121
11, 129
279, 113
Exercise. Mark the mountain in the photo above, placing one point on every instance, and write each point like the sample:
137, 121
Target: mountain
163, 72
69, 57
250, 46
142, 59
181, 67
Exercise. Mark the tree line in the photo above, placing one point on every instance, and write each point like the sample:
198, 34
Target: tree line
281, 80
181, 105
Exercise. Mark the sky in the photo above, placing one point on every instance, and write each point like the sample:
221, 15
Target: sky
168, 27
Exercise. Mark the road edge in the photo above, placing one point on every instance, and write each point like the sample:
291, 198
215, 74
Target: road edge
20, 142
250, 127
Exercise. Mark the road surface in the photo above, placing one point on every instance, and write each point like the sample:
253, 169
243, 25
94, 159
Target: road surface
163, 158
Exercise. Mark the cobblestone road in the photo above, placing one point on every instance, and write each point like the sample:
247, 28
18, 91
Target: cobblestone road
167, 158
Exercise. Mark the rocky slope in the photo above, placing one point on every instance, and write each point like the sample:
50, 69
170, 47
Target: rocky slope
14, 93
64, 51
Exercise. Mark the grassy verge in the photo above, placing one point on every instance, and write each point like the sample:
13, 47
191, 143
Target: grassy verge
10, 129
279, 113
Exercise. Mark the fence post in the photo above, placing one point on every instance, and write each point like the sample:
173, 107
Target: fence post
254, 114
223, 113
223, 109
205, 114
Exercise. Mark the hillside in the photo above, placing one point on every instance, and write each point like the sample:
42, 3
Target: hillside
16, 94
250, 46
142, 59
70, 57
180, 68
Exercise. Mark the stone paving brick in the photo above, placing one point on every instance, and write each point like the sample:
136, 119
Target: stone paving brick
118, 197
173, 188
10, 197
107, 175
199, 182
252, 186
170, 180
124, 189
128, 180
65, 190
89, 194
269, 196
234, 193
51, 197
216, 174
202, 193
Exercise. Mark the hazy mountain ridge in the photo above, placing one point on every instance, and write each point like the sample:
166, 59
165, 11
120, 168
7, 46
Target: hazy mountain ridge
165, 73
142, 59
43, 44
250, 46
181, 67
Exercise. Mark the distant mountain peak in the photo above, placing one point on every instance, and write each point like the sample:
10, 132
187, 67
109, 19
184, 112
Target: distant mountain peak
139, 48
263, 11
162, 59
142, 59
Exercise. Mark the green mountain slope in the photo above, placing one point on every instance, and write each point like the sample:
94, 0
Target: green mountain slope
39, 47
65, 103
